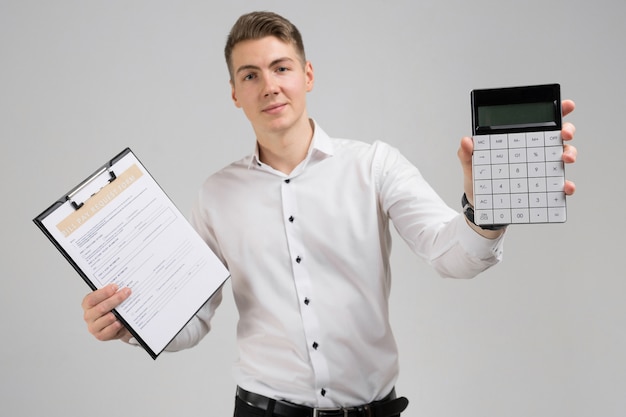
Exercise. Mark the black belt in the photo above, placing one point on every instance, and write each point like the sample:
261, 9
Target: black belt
387, 407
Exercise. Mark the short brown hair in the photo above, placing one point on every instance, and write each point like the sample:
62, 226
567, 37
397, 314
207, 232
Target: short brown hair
257, 25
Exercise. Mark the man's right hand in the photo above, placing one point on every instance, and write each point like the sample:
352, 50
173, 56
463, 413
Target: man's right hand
101, 322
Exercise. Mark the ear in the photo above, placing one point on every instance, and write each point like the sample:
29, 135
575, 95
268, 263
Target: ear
309, 75
233, 95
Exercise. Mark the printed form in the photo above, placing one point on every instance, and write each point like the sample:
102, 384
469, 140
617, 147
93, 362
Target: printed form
131, 234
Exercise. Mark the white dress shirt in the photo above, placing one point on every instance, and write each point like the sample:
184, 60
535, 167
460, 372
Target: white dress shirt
308, 255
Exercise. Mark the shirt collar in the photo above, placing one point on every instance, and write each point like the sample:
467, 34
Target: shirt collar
321, 148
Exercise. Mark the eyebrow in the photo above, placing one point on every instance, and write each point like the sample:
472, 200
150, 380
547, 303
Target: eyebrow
254, 67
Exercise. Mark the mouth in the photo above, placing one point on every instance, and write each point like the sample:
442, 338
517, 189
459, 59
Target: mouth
273, 108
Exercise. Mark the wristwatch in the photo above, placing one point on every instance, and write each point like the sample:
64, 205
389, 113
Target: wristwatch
468, 210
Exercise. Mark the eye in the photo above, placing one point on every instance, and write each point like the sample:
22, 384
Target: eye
282, 69
249, 77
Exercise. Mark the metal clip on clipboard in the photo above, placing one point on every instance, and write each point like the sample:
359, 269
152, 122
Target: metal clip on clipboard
90, 187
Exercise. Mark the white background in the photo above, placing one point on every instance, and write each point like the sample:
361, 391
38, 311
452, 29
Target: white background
542, 334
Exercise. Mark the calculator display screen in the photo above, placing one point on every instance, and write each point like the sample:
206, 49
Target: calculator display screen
516, 114
516, 109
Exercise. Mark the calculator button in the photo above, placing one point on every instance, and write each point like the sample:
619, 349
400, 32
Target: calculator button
502, 216
538, 200
555, 183
482, 157
517, 140
483, 217
501, 186
519, 200
520, 216
482, 202
553, 138
502, 201
537, 169
535, 139
481, 142
519, 185
554, 153
500, 156
482, 172
536, 155
482, 187
499, 142
517, 156
556, 199
555, 169
539, 215
557, 214
537, 185
499, 171
518, 171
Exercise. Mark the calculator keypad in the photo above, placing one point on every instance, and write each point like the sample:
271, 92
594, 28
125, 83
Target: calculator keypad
519, 178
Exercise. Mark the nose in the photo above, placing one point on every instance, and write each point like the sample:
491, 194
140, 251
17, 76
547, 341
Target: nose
270, 86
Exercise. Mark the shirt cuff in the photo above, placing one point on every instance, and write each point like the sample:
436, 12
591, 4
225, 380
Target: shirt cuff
477, 245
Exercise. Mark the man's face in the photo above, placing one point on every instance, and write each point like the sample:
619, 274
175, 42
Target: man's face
270, 83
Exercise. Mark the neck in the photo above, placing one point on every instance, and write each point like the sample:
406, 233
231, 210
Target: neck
283, 151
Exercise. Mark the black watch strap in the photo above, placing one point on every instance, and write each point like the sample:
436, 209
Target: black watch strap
468, 210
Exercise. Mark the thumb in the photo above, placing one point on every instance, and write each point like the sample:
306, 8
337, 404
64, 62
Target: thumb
465, 157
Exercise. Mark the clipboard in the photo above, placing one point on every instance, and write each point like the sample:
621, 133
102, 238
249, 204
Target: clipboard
119, 226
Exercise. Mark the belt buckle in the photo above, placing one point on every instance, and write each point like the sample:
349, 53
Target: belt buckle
334, 412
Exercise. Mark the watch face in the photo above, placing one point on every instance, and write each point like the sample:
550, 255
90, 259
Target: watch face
467, 208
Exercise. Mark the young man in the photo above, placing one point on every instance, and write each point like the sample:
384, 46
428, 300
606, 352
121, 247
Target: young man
303, 226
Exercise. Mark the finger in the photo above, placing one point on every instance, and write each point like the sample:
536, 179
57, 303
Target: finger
567, 106
95, 312
466, 149
107, 327
569, 188
567, 131
465, 156
569, 154
96, 297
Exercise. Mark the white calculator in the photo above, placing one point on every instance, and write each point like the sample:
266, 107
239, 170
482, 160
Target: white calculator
518, 171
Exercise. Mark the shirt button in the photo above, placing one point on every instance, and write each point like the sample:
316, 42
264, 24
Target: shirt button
298, 259
323, 392
291, 219
287, 181
315, 345
307, 301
